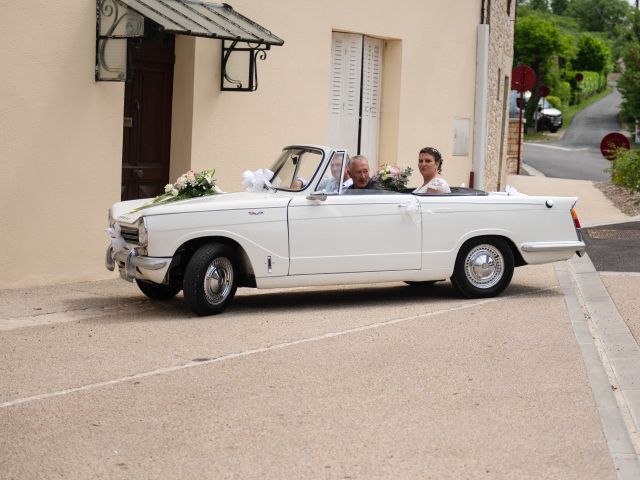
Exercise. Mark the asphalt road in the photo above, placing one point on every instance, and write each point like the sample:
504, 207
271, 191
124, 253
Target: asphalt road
614, 248
577, 156
359, 382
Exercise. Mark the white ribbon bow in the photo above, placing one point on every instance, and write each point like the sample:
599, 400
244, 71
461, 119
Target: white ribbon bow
513, 192
413, 210
117, 241
258, 180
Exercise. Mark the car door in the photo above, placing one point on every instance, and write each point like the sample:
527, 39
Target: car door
372, 232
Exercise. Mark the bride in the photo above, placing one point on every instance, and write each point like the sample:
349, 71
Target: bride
430, 166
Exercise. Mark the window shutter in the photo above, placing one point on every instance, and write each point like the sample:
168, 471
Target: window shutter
346, 64
371, 93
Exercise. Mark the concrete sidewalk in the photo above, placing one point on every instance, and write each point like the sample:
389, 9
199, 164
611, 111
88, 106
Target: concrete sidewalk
603, 309
593, 207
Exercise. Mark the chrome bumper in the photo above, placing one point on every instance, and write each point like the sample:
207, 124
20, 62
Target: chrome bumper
129, 261
568, 247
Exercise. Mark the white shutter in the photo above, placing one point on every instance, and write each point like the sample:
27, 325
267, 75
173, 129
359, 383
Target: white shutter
371, 93
346, 65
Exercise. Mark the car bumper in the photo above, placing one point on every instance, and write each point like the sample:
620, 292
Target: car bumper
133, 264
559, 247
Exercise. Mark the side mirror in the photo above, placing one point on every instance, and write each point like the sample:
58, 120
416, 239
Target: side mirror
321, 196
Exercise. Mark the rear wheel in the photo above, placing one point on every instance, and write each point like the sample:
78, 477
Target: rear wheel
156, 291
484, 268
210, 279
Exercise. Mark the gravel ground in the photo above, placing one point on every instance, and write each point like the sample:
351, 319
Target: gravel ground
626, 201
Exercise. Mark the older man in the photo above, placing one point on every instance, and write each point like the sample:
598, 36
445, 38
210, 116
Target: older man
358, 167
331, 184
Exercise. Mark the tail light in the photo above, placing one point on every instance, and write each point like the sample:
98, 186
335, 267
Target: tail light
574, 215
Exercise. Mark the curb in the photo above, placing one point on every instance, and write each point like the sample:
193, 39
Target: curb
611, 357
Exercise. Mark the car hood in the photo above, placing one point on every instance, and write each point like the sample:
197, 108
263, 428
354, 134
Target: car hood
126, 212
551, 112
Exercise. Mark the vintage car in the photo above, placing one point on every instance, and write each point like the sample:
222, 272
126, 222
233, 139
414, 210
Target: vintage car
287, 232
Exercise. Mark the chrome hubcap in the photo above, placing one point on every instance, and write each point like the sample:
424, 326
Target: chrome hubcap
218, 280
484, 266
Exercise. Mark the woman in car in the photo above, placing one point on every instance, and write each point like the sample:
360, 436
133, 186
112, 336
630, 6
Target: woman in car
430, 166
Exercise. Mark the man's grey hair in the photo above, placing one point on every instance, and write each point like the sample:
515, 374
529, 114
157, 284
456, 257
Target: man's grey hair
350, 160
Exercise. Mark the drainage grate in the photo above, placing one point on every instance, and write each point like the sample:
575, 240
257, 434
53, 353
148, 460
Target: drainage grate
626, 234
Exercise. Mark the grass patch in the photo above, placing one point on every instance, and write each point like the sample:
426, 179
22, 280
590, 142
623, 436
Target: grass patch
535, 137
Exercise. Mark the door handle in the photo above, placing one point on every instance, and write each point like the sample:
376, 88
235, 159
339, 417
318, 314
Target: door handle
138, 173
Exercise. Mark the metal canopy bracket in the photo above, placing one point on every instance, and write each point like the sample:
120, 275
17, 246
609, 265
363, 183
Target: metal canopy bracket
243, 40
239, 66
115, 23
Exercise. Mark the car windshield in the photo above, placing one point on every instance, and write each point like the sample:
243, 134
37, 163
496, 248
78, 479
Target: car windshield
295, 168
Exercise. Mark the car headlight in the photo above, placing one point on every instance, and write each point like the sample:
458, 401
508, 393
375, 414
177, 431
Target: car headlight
143, 233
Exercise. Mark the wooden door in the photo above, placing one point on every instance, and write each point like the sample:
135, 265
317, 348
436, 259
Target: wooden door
147, 112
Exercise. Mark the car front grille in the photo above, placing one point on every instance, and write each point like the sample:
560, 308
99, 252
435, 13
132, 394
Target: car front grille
129, 234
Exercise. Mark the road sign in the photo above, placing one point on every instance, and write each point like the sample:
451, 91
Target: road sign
523, 78
579, 77
612, 142
544, 91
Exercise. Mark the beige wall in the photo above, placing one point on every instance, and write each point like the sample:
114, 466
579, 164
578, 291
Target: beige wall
60, 145
428, 81
61, 142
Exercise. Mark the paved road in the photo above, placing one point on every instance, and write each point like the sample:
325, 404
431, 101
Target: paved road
383, 381
614, 248
577, 155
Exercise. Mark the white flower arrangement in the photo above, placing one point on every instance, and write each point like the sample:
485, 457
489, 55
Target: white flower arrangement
188, 185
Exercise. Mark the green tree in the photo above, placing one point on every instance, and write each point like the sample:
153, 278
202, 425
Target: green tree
629, 83
540, 5
558, 7
538, 42
599, 15
593, 54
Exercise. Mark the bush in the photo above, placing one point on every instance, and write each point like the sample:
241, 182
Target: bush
555, 102
593, 54
625, 169
563, 92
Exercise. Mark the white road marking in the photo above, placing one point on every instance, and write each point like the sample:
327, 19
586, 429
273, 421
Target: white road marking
246, 353
555, 147
619, 274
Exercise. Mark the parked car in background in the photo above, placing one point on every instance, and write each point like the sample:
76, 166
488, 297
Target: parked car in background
290, 232
546, 116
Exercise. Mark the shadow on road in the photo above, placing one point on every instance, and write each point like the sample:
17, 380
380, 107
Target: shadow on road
250, 301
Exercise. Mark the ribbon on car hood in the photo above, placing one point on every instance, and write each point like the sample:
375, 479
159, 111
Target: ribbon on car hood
258, 180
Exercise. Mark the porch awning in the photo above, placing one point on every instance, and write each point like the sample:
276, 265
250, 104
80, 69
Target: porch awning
213, 20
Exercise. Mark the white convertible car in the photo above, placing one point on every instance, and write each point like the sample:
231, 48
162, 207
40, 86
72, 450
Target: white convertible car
304, 228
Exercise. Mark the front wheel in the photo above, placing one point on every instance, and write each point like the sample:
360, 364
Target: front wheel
210, 279
484, 268
156, 291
